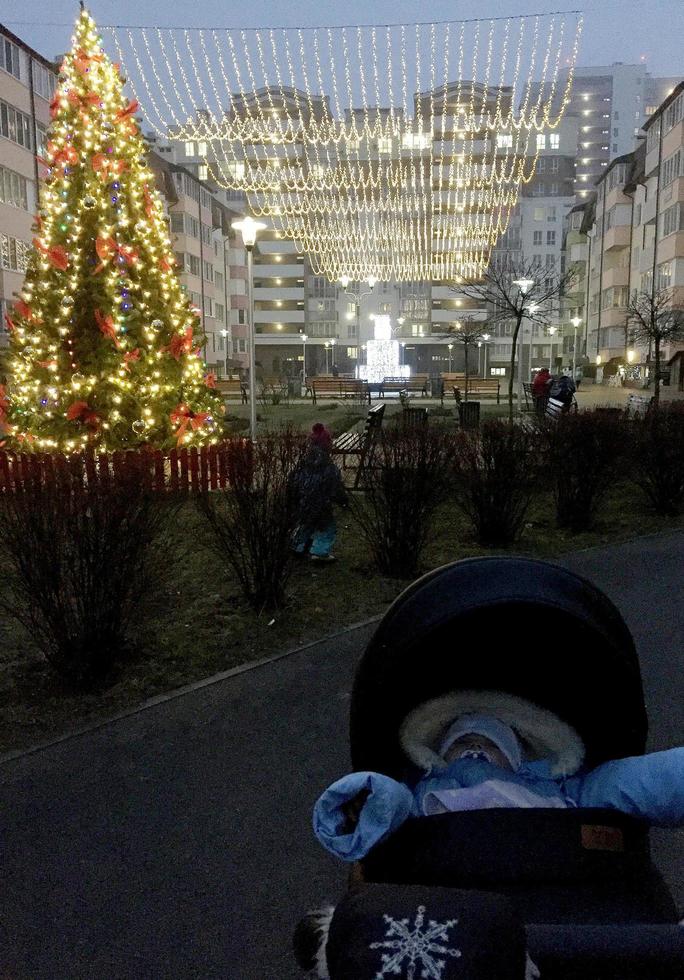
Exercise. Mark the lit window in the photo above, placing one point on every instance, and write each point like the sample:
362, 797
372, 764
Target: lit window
203, 171
554, 141
541, 141
190, 148
504, 140
384, 144
201, 149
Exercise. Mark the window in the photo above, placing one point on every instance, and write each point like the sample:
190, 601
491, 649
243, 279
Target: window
504, 141
9, 57
352, 330
616, 132
384, 144
201, 149
205, 201
13, 189
208, 272
208, 306
554, 165
385, 308
537, 238
234, 169
539, 189
177, 224
206, 234
551, 237
541, 141
672, 220
616, 116
536, 259
192, 264
554, 189
615, 147
550, 260
674, 112
551, 214
497, 372
554, 141
539, 214
15, 126
13, 253
220, 313
541, 165
219, 280
672, 168
41, 138
239, 346
241, 316
189, 148
664, 276
416, 141
43, 81
352, 352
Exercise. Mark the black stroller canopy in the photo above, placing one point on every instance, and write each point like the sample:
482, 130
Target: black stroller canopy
524, 627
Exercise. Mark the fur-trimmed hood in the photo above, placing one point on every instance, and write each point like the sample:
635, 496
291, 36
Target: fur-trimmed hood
543, 734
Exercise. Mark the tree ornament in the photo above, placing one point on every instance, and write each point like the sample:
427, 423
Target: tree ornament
67, 302
157, 324
89, 201
138, 427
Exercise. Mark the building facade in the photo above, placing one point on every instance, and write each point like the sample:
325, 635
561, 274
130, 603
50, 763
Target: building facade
27, 81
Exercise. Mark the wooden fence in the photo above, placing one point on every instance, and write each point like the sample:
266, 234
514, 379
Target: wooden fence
178, 470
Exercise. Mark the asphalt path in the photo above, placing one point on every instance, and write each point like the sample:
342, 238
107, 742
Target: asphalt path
176, 842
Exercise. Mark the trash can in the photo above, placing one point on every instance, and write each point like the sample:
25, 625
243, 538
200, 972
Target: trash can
469, 415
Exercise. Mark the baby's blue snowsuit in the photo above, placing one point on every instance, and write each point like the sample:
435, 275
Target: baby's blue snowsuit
650, 787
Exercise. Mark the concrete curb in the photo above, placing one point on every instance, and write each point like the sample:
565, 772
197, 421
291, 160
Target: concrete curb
182, 691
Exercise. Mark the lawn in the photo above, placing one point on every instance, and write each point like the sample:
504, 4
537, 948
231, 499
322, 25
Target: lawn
199, 625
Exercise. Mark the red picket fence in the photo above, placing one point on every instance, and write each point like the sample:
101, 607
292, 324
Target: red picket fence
178, 470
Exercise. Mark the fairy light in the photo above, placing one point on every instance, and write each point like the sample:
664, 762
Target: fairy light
83, 369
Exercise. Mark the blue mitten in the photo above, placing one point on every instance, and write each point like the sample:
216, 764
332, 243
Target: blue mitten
388, 805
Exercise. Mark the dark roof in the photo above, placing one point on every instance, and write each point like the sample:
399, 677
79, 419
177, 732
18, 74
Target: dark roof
50, 65
663, 105
625, 158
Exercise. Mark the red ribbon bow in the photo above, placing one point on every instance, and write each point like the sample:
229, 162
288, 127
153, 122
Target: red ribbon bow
184, 417
23, 309
47, 364
107, 329
132, 355
56, 255
167, 263
82, 412
180, 344
84, 61
150, 206
105, 166
210, 379
9, 323
107, 248
67, 156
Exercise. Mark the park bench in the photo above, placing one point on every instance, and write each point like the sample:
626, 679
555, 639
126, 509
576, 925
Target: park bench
414, 417
480, 386
638, 405
360, 444
273, 386
554, 408
232, 388
418, 382
339, 388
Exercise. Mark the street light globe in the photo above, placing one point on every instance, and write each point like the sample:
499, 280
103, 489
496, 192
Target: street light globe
304, 337
532, 308
248, 228
598, 360
450, 346
486, 336
344, 281
372, 280
630, 356
524, 284
401, 320
333, 341
552, 330
350, 316
576, 320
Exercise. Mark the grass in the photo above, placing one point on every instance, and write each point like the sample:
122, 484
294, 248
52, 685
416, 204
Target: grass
199, 624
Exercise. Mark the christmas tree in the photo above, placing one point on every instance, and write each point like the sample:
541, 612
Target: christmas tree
105, 346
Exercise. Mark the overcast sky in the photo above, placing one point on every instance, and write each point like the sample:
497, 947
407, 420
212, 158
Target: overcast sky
615, 30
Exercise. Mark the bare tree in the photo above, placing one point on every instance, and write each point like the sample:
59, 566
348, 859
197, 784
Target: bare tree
652, 318
499, 289
467, 332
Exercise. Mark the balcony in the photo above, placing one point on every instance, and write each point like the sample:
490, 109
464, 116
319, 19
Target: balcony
671, 248
280, 270
279, 316
277, 293
615, 277
617, 237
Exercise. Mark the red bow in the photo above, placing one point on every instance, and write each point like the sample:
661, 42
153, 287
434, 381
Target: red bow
23, 309
47, 364
56, 255
4, 401
82, 412
55, 104
132, 355
107, 248
210, 380
106, 325
180, 344
66, 156
167, 263
184, 417
150, 205
83, 60
9, 323
105, 166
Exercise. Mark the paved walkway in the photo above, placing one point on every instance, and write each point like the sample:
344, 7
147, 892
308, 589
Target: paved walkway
176, 842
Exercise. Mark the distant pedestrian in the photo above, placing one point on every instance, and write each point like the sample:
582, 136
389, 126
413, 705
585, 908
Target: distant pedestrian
335, 371
318, 485
563, 390
540, 390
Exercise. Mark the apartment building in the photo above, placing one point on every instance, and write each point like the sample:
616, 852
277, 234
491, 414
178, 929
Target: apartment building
635, 243
27, 81
209, 256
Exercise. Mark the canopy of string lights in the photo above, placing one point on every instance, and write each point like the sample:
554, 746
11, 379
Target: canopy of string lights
394, 152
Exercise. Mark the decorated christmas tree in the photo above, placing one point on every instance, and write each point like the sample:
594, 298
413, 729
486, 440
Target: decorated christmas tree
105, 347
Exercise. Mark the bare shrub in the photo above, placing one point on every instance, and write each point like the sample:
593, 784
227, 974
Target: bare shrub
406, 481
583, 451
495, 476
252, 522
657, 449
78, 564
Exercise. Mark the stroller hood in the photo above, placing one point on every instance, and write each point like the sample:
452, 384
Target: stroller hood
525, 628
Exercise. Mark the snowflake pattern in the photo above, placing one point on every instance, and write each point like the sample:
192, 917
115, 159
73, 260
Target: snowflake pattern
415, 947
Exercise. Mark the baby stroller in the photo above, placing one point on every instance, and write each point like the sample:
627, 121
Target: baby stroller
561, 893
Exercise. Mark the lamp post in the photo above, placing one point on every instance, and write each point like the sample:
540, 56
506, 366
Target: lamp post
485, 338
552, 331
304, 340
249, 228
524, 285
332, 356
327, 364
576, 320
402, 350
451, 347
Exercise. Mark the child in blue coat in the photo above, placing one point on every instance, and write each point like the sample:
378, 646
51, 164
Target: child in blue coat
485, 758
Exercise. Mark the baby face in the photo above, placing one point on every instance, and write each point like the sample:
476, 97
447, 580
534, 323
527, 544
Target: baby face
472, 746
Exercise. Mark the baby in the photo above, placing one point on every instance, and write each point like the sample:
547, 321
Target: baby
480, 764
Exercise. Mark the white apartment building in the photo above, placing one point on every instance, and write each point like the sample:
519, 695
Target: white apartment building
27, 81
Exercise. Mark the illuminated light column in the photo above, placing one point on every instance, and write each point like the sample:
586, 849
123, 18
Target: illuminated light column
382, 353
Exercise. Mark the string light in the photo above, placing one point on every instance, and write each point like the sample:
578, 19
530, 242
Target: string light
407, 193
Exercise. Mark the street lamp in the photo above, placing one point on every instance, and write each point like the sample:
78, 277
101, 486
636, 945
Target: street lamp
576, 320
451, 347
332, 356
552, 331
345, 282
524, 285
485, 338
249, 228
304, 340
327, 365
